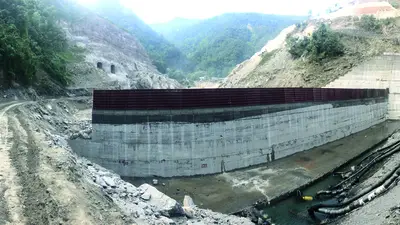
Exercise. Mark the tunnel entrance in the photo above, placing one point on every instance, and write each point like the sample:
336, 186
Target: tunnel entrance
99, 65
112, 68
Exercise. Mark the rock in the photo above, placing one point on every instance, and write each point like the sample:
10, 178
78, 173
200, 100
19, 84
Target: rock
73, 136
142, 205
165, 221
130, 188
189, 212
146, 196
134, 194
148, 212
92, 169
155, 181
84, 135
110, 182
188, 206
101, 182
164, 204
188, 202
123, 195
135, 214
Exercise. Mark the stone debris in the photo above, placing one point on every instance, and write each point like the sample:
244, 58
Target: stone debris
188, 206
147, 205
144, 204
146, 196
109, 181
164, 204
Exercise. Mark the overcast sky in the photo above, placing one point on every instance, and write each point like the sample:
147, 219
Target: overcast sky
159, 11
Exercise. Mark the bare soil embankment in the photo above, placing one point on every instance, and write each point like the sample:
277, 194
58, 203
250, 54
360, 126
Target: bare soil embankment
43, 182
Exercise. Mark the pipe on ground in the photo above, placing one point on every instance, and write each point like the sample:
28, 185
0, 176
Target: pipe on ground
357, 175
351, 204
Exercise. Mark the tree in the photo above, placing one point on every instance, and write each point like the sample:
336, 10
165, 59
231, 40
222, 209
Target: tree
370, 23
31, 38
324, 43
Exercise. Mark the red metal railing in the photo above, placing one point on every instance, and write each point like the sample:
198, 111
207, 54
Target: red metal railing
218, 98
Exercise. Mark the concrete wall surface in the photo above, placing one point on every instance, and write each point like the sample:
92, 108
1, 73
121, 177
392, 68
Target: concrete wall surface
380, 72
169, 148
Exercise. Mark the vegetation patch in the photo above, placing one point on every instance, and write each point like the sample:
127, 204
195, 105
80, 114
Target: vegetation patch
30, 39
395, 4
324, 43
370, 23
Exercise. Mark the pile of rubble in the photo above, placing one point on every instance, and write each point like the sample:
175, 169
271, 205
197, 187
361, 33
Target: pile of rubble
148, 205
144, 204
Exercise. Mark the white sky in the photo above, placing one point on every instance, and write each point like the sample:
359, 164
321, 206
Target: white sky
158, 11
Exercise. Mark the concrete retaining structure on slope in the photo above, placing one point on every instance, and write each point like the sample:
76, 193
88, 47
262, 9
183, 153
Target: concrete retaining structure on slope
141, 134
381, 72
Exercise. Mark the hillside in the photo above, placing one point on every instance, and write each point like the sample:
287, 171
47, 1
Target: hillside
162, 53
359, 39
31, 44
216, 45
169, 29
59, 44
113, 58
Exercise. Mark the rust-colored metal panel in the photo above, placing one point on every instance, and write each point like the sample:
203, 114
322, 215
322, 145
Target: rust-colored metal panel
218, 98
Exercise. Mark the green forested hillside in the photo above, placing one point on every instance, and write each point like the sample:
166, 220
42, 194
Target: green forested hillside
31, 40
216, 45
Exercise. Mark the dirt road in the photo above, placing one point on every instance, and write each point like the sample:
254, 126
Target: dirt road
39, 183
10, 203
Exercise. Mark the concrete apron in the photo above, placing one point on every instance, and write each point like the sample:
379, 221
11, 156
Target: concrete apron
231, 192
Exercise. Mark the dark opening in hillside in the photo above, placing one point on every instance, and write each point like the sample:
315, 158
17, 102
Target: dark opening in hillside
112, 69
99, 65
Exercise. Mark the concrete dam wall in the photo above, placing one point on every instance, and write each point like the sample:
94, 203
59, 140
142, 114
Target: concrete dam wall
190, 132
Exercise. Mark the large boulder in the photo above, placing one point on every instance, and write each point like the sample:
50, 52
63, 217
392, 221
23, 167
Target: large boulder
162, 203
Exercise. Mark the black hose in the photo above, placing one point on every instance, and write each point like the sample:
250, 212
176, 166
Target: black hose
366, 168
392, 149
377, 151
361, 202
315, 208
395, 144
358, 174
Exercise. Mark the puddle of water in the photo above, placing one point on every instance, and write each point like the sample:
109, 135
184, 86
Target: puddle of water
293, 211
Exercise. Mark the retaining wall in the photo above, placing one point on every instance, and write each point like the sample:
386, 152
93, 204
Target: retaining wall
382, 72
184, 133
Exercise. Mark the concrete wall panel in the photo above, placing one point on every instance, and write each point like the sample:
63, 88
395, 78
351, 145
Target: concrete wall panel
171, 148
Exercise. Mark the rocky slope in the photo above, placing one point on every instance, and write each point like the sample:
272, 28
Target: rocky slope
277, 68
104, 45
